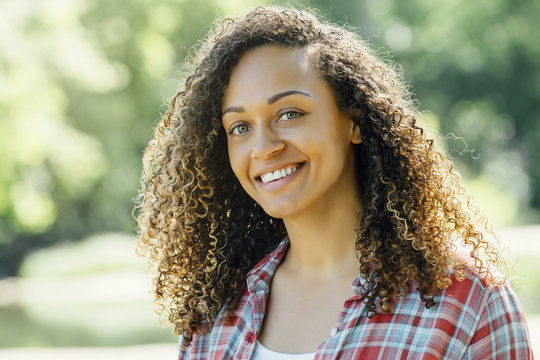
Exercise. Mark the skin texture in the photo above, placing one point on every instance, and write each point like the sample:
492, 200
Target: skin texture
317, 205
202, 232
302, 308
317, 135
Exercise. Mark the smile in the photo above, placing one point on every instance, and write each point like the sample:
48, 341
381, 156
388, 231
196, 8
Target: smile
280, 173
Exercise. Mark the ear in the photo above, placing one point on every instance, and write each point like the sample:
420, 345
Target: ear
356, 136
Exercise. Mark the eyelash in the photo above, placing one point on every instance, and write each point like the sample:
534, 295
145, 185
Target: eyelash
288, 111
235, 127
280, 114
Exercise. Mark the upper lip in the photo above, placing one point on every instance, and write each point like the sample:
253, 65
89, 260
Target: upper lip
274, 167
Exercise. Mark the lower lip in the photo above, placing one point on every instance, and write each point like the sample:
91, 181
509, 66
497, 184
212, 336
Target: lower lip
279, 183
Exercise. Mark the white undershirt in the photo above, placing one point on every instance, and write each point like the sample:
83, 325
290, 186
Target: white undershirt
262, 353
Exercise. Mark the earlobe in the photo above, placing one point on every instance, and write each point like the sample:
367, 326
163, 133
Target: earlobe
356, 137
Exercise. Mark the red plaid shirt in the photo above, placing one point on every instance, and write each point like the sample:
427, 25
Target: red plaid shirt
471, 320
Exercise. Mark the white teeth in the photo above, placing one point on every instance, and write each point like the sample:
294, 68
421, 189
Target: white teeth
278, 174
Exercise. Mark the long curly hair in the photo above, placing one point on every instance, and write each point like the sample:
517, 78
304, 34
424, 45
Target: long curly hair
203, 233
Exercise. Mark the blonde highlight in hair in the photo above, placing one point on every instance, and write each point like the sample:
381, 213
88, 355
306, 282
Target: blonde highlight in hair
203, 233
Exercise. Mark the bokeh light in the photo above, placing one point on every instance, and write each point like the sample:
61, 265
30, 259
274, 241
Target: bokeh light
82, 83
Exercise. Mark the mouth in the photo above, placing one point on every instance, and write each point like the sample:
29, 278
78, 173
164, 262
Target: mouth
280, 173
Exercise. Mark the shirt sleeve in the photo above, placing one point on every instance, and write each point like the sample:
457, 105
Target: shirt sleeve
502, 330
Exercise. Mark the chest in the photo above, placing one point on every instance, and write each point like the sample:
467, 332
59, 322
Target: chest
411, 332
298, 319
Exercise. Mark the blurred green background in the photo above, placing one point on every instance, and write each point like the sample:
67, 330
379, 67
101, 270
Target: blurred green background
83, 82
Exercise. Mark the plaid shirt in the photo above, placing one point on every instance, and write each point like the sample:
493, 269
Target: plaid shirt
471, 320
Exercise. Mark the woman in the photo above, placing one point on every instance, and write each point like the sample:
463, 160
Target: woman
291, 166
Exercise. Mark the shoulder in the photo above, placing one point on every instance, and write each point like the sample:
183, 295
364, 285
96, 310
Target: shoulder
477, 317
472, 280
473, 299
475, 286
485, 304
227, 335
224, 335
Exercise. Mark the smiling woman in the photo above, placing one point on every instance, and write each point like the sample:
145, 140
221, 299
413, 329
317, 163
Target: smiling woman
289, 121
294, 209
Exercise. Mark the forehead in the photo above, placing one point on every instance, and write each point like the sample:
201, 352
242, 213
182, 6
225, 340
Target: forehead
267, 70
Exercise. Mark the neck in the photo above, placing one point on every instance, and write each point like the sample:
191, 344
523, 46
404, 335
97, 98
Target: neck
322, 240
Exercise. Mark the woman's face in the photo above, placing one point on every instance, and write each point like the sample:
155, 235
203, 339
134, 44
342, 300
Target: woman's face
289, 145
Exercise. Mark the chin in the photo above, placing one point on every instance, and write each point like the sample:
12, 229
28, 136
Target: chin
280, 212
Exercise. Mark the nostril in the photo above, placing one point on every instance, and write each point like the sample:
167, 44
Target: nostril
267, 145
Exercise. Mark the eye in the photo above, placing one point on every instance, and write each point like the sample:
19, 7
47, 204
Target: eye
289, 115
239, 129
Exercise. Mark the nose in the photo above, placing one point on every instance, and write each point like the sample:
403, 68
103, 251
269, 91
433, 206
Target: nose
267, 144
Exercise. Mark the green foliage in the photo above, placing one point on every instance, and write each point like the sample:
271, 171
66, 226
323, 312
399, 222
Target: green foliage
91, 293
525, 279
94, 293
81, 86
81, 324
82, 83
90, 256
475, 65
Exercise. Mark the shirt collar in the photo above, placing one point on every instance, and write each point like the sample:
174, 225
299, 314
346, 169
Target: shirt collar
260, 276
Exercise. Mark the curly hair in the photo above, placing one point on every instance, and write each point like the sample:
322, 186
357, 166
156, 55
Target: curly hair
203, 233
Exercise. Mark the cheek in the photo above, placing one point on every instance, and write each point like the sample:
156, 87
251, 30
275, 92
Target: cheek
316, 143
238, 163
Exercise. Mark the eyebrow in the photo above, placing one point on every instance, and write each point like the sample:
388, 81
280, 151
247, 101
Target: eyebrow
233, 109
272, 99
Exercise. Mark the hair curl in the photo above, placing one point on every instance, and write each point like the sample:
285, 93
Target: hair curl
203, 233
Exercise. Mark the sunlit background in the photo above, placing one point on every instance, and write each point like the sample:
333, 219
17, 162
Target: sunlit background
82, 83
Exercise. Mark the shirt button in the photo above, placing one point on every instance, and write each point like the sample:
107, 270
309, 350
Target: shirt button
334, 331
